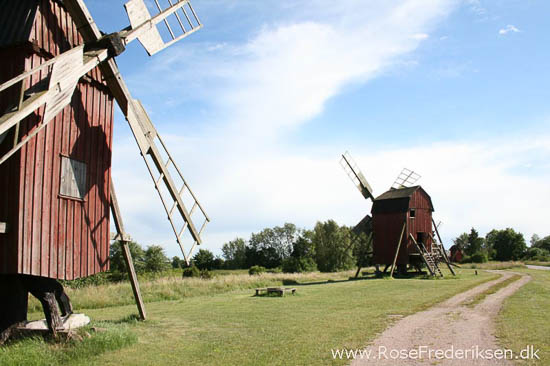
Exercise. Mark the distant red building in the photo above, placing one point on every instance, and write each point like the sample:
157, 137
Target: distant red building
456, 254
411, 207
55, 192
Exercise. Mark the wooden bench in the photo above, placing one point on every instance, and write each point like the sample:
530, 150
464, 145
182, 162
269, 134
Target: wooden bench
275, 290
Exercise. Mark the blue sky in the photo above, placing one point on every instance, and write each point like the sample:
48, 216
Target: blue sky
258, 105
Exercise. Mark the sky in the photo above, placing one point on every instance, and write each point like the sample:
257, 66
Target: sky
258, 106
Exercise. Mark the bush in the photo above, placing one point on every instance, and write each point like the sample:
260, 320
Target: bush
537, 254
256, 270
155, 259
191, 272
206, 274
299, 265
479, 257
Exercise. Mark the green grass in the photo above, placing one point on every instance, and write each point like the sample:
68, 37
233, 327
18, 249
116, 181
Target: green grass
173, 287
524, 317
494, 265
38, 351
236, 328
491, 290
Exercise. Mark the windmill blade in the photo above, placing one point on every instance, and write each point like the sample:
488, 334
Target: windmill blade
356, 176
406, 178
364, 226
148, 141
66, 69
143, 26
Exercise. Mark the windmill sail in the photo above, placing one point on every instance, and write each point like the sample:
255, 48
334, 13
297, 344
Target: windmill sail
356, 176
143, 26
406, 178
66, 69
185, 215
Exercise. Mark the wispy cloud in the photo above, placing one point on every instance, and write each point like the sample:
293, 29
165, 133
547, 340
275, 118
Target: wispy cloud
488, 184
256, 92
477, 7
509, 28
285, 73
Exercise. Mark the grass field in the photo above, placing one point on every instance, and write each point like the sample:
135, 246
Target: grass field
221, 323
524, 318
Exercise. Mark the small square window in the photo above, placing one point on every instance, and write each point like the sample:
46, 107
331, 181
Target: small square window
73, 178
412, 214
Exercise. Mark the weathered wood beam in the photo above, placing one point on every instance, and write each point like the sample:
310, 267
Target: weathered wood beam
123, 237
398, 247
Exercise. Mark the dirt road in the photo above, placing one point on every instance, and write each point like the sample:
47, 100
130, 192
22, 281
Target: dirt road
544, 268
450, 327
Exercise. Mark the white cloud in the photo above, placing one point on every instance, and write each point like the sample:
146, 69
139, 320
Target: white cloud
509, 28
477, 7
420, 36
485, 184
258, 91
283, 76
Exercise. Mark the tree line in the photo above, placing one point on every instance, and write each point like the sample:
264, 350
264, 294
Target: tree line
328, 247
502, 245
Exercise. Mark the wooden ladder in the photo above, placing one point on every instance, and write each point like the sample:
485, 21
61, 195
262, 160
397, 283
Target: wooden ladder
173, 189
429, 260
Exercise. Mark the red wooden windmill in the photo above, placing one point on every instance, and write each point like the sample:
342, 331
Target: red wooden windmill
58, 85
401, 223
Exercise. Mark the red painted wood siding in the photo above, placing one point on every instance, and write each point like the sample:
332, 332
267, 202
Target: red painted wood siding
422, 221
388, 226
49, 235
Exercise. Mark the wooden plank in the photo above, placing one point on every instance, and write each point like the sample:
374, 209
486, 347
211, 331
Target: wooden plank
75, 118
398, 247
134, 280
422, 255
115, 209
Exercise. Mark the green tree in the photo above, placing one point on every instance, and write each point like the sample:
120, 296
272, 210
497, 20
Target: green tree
177, 262
461, 241
543, 243
508, 244
534, 239
332, 247
271, 246
204, 259
234, 253
474, 243
116, 257
155, 259
303, 247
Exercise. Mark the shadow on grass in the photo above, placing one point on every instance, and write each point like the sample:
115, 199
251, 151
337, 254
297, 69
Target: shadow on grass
129, 319
366, 277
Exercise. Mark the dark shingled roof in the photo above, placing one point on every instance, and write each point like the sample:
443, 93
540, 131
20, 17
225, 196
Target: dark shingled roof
397, 193
396, 200
16, 20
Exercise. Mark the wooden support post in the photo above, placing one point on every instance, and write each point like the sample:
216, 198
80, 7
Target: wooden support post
398, 246
123, 238
447, 260
133, 280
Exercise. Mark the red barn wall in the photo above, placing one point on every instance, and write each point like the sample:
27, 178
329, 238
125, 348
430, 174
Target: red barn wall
386, 230
49, 235
422, 222
388, 225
